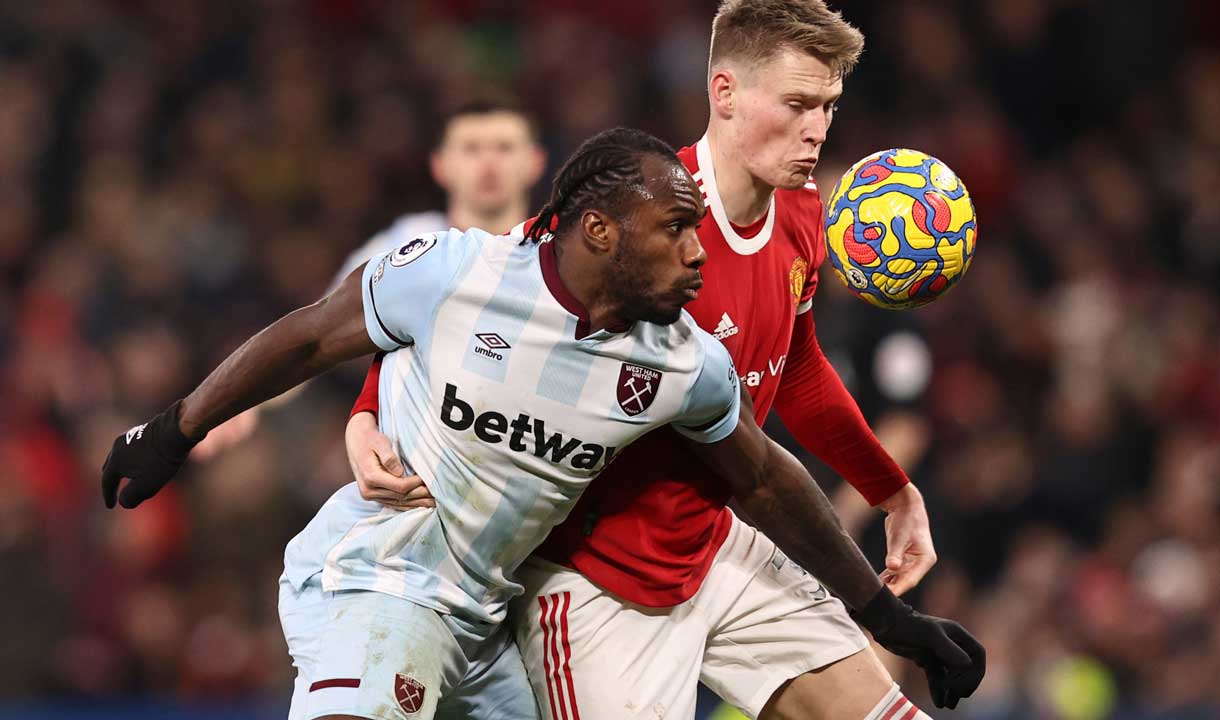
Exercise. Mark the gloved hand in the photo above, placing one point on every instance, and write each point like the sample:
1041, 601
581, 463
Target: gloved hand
149, 455
953, 660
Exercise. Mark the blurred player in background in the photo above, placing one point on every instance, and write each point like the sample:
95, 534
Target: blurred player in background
487, 159
655, 532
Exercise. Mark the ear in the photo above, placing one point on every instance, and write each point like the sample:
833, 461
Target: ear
722, 90
599, 230
437, 165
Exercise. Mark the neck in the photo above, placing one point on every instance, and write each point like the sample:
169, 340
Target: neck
745, 198
497, 221
585, 283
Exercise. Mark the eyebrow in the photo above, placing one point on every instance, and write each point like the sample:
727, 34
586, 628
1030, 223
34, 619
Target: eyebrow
813, 99
685, 208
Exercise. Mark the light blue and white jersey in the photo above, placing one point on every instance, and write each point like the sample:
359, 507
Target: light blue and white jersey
402, 231
505, 411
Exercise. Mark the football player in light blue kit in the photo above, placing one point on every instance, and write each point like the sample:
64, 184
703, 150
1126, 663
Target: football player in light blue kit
498, 357
534, 362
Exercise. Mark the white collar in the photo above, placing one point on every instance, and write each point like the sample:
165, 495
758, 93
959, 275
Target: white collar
706, 177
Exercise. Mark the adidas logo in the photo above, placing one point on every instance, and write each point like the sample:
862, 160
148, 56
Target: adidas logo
136, 433
726, 328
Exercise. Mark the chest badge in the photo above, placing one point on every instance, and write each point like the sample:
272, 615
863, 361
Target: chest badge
796, 278
409, 693
637, 388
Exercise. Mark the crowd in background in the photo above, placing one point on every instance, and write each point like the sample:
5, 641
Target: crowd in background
176, 175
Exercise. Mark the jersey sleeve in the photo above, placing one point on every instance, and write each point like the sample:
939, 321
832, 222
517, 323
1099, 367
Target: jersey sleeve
369, 399
713, 402
824, 418
403, 230
402, 287
378, 244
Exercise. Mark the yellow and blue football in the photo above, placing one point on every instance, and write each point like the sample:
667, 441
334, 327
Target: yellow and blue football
900, 229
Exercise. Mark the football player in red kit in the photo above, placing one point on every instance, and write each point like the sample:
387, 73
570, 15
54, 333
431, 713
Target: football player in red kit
652, 584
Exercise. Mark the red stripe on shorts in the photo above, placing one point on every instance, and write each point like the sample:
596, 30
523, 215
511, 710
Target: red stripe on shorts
335, 682
557, 659
547, 639
910, 713
567, 654
897, 705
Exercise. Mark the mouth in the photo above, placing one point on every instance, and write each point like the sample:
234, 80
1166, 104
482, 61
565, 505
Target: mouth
807, 163
691, 291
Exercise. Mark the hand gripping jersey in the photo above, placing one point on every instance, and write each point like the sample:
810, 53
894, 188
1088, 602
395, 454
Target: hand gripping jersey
507, 408
648, 529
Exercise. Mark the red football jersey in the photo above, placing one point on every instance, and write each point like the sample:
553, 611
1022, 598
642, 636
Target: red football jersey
648, 528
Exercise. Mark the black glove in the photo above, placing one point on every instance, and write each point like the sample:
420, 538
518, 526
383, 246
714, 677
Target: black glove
953, 660
149, 454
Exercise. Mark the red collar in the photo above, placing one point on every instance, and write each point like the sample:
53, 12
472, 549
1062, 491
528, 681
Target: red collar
550, 275
748, 232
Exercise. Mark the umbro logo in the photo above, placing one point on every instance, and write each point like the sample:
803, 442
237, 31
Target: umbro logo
489, 343
726, 328
136, 433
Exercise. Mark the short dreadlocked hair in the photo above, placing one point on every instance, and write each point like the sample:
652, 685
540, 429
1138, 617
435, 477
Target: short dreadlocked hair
603, 173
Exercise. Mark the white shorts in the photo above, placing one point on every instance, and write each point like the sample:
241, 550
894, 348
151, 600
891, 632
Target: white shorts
757, 621
374, 655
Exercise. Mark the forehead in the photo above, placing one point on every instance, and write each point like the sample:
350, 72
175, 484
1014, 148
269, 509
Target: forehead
790, 70
669, 184
499, 125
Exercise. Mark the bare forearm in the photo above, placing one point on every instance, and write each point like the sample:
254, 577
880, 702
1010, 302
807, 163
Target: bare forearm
295, 348
792, 510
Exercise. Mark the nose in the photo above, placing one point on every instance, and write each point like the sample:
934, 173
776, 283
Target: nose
693, 255
816, 127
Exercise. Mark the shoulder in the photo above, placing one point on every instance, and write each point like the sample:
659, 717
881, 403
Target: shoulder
685, 334
401, 231
714, 351
689, 158
430, 252
800, 211
803, 203
397, 234
715, 379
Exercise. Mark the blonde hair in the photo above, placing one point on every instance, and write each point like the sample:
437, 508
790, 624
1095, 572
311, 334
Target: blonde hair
755, 30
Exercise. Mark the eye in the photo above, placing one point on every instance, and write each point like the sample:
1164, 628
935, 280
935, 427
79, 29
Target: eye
796, 105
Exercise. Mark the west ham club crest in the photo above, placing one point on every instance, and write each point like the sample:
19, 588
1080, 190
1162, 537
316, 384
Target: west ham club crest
409, 693
637, 387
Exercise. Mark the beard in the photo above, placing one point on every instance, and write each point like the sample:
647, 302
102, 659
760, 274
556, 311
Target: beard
632, 279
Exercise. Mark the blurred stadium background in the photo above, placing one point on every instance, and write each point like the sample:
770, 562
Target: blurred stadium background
175, 174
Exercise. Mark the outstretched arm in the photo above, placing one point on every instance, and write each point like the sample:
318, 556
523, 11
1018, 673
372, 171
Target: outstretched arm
779, 495
295, 348
782, 499
820, 413
298, 346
